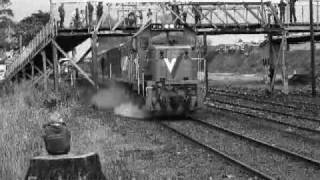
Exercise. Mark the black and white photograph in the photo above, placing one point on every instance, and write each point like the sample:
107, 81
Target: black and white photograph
159, 90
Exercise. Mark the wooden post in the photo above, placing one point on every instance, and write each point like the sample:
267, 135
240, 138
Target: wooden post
70, 70
32, 70
283, 63
205, 64
20, 43
312, 46
94, 64
44, 69
271, 62
55, 67
24, 76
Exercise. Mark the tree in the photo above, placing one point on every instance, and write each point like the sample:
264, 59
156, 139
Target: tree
6, 23
31, 25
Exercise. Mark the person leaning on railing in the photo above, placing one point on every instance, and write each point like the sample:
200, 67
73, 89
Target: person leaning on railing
99, 11
62, 14
293, 10
282, 7
89, 13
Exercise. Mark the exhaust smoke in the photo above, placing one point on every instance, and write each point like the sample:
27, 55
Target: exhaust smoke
119, 99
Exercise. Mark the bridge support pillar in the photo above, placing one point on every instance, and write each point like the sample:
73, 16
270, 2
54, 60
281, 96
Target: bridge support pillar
32, 70
284, 73
55, 67
44, 69
94, 65
205, 49
271, 63
24, 76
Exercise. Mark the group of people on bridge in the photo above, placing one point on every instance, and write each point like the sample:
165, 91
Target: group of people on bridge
81, 18
292, 10
84, 18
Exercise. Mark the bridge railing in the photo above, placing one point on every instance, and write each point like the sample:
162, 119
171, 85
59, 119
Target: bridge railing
41, 38
224, 13
303, 13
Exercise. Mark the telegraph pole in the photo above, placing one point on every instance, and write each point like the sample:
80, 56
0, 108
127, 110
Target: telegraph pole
313, 81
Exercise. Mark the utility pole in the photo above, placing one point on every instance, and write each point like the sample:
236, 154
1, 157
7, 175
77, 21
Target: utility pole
313, 81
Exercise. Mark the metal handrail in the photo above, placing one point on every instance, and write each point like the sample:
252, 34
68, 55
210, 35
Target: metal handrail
41, 38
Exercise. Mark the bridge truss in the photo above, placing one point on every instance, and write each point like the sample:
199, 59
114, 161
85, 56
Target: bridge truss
40, 58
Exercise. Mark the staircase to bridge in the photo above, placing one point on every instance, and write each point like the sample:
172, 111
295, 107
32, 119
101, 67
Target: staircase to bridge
40, 58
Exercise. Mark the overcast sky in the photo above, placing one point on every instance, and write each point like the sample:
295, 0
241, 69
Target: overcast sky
23, 8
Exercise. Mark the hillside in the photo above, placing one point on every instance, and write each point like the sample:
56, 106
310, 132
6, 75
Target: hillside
236, 62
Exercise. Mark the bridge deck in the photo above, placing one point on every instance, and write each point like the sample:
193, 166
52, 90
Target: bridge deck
216, 18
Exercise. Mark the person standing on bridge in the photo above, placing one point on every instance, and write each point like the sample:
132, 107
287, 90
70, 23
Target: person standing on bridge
99, 11
282, 7
76, 18
184, 14
197, 14
149, 14
89, 12
62, 14
293, 11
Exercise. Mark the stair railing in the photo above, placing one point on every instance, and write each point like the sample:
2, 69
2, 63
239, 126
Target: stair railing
41, 38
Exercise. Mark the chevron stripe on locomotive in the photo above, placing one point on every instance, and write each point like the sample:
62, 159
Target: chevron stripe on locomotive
163, 65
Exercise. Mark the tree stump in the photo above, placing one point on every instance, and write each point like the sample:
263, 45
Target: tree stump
65, 167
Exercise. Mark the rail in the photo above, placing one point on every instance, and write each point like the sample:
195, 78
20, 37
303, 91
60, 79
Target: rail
42, 37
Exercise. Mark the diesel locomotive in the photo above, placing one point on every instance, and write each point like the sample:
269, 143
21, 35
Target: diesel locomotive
163, 64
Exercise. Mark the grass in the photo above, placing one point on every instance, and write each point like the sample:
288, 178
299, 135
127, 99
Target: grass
24, 112
22, 115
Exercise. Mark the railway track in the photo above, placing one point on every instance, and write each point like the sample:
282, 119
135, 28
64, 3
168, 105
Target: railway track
290, 101
227, 142
210, 148
250, 98
248, 112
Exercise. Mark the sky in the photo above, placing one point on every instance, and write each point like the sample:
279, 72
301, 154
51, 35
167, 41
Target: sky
23, 8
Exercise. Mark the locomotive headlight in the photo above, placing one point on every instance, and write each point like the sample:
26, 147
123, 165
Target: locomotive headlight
166, 26
171, 26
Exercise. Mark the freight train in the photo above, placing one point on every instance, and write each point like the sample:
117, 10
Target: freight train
163, 64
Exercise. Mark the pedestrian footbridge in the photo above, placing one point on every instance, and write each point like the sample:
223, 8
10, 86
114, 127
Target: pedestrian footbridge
40, 58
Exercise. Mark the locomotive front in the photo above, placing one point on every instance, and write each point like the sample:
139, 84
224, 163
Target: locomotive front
162, 65
171, 71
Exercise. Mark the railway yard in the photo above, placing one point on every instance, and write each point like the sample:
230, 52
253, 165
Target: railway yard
154, 98
240, 133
